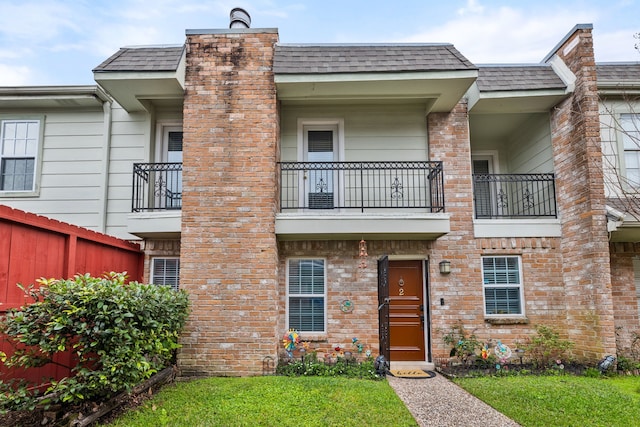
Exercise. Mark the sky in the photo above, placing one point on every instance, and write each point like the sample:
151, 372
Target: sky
59, 42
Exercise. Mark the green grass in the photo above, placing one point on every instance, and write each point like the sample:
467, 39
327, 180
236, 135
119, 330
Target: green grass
272, 401
561, 400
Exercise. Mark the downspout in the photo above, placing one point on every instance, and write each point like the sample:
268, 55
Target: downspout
106, 156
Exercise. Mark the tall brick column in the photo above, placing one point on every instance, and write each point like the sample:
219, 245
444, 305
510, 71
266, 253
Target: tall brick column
580, 189
229, 258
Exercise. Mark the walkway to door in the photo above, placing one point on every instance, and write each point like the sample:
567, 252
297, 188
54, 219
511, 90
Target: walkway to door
439, 402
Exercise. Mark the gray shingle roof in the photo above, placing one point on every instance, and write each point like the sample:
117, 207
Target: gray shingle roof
518, 77
371, 58
164, 58
620, 72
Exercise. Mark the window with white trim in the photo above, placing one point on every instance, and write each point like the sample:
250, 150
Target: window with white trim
166, 271
306, 289
630, 130
502, 285
19, 143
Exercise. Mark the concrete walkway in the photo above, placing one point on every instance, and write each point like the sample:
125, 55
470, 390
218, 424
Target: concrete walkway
439, 402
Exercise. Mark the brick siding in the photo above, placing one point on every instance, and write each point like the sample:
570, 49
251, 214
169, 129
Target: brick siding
229, 255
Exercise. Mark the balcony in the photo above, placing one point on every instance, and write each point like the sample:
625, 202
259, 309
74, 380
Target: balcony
515, 205
157, 187
156, 200
349, 200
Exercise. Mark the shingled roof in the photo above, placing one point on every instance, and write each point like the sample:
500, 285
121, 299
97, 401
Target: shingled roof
618, 73
370, 58
518, 77
165, 58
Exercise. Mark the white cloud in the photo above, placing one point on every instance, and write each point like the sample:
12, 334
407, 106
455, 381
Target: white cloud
472, 7
505, 34
615, 46
14, 76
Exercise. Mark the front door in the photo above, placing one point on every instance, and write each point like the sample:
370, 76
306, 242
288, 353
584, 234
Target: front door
406, 311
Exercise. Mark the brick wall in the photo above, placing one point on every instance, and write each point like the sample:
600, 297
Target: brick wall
623, 286
158, 249
578, 166
462, 291
229, 254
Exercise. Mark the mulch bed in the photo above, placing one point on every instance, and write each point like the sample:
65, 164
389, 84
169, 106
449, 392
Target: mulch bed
459, 370
90, 412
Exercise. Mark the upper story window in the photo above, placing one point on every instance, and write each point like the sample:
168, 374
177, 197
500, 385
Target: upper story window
306, 295
19, 147
630, 130
502, 283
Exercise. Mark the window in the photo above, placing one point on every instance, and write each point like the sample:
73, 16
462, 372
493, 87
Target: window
630, 128
19, 142
306, 289
502, 282
166, 271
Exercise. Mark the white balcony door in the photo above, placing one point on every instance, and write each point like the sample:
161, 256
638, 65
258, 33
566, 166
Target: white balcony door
485, 195
320, 182
169, 180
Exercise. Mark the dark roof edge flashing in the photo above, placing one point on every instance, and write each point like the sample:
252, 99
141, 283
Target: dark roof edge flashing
565, 38
231, 31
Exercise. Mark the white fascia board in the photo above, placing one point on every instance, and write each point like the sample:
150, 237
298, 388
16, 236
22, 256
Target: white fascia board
371, 77
561, 69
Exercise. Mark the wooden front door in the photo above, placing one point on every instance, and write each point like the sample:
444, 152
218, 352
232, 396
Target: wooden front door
406, 311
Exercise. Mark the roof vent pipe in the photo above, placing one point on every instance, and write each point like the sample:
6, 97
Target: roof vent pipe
239, 18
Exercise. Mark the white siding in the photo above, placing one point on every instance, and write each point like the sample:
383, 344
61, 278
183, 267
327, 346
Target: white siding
71, 180
530, 148
611, 137
131, 136
372, 132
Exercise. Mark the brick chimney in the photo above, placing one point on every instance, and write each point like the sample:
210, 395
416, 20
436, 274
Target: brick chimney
577, 156
229, 257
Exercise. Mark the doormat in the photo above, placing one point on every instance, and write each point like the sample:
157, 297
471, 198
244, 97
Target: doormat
411, 373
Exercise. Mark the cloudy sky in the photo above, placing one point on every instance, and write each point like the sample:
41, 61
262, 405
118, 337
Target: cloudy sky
59, 42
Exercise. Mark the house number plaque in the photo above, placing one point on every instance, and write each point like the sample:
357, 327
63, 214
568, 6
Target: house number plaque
401, 284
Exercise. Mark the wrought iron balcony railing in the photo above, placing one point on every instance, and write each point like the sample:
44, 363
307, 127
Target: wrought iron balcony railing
363, 186
515, 195
157, 186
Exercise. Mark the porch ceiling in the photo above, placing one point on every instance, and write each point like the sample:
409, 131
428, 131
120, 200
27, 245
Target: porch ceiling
399, 226
155, 225
533, 101
139, 91
440, 91
628, 231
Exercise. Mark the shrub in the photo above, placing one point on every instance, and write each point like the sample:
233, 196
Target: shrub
546, 347
311, 366
464, 345
121, 333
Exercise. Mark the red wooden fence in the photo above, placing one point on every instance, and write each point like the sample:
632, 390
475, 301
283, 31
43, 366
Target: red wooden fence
32, 246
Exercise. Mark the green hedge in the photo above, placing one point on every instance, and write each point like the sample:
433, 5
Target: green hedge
122, 334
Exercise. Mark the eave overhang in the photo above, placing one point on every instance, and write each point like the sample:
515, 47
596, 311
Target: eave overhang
138, 90
440, 90
29, 97
514, 101
396, 226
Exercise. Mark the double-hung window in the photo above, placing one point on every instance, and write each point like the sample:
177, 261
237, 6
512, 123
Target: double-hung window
19, 144
502, 283
166, 271
630, 129
306, 289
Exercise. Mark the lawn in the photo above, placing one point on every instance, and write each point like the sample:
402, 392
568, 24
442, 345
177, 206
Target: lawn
557, 401
561, 400
271, 401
